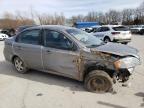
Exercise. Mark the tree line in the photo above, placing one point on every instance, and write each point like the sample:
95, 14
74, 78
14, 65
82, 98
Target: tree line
10, 20
126, 16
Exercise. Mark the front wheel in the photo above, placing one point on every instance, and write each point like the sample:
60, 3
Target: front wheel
19, 65
98, 81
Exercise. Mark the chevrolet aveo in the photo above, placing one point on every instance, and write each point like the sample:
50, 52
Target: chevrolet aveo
72, 53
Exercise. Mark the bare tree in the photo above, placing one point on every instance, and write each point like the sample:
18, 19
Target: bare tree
13, 21
46, 19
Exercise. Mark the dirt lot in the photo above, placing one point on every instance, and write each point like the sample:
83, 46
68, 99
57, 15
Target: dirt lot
42, 90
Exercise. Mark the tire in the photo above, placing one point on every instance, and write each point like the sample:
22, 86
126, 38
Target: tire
19, 65
98, 81
125, 43
141, 32
106, 40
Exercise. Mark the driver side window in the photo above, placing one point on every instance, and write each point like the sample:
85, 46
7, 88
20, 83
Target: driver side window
54, 39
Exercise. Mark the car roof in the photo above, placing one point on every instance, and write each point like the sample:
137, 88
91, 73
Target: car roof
52, 27
111, 25
26, 26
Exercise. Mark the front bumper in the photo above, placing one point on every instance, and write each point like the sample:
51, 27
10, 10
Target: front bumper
127, 65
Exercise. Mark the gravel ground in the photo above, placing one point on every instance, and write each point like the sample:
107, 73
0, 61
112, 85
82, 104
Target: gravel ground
42, 90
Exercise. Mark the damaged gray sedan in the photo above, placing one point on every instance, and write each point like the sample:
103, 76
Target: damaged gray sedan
71, 53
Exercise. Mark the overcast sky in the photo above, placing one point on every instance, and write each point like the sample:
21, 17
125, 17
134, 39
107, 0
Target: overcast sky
68, 7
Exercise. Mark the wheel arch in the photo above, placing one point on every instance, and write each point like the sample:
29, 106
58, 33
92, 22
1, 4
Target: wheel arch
12, 59
14, 56
91, 68
107, 37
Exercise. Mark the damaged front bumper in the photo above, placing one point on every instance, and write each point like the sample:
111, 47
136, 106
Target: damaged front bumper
128, 63
126, 66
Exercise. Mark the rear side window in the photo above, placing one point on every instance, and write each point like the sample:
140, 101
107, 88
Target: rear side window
120, 28
30, 37
103, 29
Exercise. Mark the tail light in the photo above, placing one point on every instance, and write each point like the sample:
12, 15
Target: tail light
115, 33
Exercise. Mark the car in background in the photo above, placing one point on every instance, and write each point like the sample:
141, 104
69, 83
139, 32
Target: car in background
10, 32
138, 29
3, 36
21, 28
113, 33
88, 29
92, 29
83, 29
95, 28
72, 53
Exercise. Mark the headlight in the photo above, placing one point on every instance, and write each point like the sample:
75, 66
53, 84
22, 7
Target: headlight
127, 62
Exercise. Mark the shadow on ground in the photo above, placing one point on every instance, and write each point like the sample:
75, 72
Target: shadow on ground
141, 94
110, 105
8, 69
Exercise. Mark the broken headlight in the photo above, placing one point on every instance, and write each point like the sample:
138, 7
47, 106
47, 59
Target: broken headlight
127, 62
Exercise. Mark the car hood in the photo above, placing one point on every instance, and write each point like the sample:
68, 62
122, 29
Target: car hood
117, 49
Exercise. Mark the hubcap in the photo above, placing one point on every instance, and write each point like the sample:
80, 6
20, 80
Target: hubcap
19, 65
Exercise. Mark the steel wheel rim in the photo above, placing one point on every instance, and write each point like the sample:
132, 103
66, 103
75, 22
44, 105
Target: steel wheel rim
99, 84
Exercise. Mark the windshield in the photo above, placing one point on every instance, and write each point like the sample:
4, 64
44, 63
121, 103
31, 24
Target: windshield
85, 38
121, 28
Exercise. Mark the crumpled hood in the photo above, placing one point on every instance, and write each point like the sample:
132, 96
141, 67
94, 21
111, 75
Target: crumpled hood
117, 49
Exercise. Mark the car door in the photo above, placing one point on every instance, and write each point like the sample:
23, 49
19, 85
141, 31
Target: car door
99, 34
58, 57
28, 47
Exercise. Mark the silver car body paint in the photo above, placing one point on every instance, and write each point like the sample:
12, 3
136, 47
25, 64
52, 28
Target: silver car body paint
71, 64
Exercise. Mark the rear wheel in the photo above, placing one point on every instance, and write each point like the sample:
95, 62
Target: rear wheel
19, 65
106, 40
98, 81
